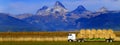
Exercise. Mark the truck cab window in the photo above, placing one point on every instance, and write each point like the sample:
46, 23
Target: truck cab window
70, 34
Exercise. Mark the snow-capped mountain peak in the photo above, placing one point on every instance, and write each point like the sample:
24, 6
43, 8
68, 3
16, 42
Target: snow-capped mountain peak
59, 4
44, 8
103, 9
80, 9
59, 8
44, 11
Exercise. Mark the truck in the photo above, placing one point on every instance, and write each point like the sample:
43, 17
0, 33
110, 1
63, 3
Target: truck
92, 35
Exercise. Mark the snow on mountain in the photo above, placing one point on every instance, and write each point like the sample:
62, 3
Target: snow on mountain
80, 11
44, 11
103, 10
59, 8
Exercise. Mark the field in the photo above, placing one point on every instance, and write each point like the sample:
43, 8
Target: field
39, 36
58, 43
43, 34
50, 39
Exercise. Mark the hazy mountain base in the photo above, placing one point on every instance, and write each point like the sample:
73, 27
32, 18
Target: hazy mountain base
11, 24
108, 20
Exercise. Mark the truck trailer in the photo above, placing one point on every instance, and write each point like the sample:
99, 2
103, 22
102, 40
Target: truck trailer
92, 35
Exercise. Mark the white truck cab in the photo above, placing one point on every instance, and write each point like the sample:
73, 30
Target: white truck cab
71, 37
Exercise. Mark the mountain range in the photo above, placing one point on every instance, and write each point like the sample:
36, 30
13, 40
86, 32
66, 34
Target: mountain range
59, 18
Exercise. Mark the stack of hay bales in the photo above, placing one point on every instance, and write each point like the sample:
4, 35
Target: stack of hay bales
96, 33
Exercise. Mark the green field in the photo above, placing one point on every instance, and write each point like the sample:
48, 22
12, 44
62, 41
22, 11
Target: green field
58, 43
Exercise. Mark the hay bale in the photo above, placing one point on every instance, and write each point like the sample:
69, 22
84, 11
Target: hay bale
82, 31
93, 31
104, 30
88, 31
96, 36
90, 36
103, 33
110, 31
107, 37
99, 31
80, 35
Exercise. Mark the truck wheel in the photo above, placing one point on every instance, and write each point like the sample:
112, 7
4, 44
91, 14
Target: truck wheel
78, 40
111, 40
82, 40
70, 40
107, 40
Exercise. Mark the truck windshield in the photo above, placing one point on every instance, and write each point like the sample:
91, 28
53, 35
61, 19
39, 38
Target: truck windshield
70, 34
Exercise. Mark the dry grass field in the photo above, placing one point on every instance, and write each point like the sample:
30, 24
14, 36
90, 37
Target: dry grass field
34, 36
39, 36
45, 38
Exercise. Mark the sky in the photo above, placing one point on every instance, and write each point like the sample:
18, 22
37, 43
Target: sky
31, 6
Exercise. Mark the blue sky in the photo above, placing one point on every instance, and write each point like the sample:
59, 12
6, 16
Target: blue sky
31, 6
